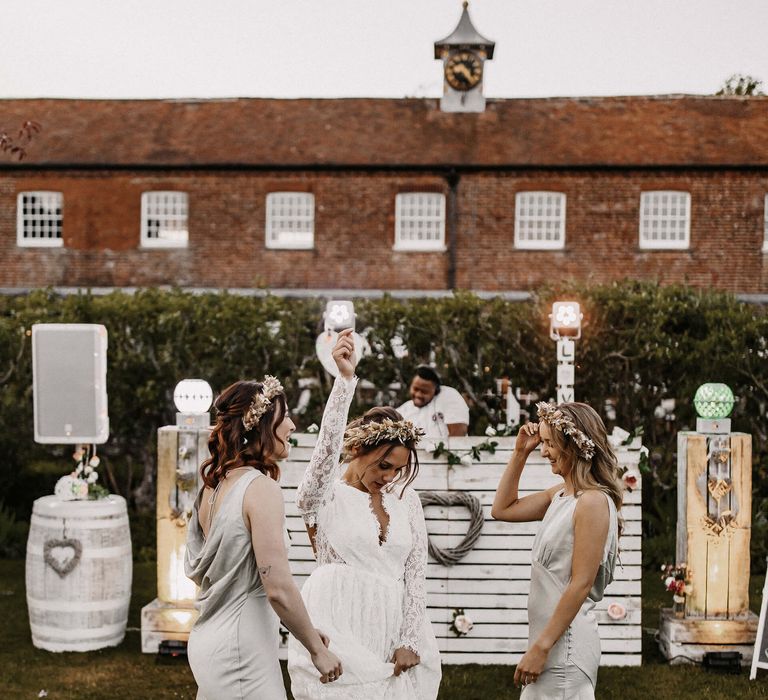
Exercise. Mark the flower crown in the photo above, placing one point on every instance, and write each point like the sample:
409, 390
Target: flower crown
387, 430
557, 419
270, 388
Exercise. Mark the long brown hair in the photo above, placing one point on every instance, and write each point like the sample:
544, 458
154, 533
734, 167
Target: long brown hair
376, 415
231, 445
602, 471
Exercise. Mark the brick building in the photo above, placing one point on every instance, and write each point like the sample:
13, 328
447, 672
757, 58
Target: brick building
394, 194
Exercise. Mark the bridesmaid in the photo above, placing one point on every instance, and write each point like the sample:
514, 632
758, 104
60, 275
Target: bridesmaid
575, 549
236, 553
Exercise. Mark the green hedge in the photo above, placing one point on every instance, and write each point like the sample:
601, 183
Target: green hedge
640, 343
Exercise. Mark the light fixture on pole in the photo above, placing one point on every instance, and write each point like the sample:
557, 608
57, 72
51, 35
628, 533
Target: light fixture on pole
714, 528
565, 329
181, 448
338, 316
713, 403
193, 398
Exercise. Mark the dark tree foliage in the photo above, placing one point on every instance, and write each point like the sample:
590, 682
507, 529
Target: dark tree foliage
641, 343
739, 84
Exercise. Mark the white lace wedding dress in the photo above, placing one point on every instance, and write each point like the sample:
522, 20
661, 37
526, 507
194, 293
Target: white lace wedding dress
369, 598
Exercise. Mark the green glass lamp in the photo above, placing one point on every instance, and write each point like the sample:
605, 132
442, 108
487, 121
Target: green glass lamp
713, 401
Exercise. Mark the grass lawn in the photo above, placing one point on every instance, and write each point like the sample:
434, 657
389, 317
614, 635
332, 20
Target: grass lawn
125, 673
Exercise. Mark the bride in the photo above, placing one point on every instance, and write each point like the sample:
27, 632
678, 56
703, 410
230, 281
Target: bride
367, 529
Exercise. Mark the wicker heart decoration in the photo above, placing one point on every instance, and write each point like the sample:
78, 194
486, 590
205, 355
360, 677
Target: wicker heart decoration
62, 555
450, 555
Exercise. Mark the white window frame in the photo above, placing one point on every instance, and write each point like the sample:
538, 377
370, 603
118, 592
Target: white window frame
431, 201
292, 238
21, 239
181, 216
523, 218
765, 225
648, 219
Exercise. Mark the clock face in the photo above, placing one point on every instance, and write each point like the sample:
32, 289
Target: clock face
463, 70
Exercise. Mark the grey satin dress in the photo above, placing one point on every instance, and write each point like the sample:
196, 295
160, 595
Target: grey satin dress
233, 646
571, 669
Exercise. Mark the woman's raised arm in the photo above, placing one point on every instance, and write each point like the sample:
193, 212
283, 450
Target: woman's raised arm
506, 504
314, 488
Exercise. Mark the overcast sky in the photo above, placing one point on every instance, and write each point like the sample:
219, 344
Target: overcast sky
384, 48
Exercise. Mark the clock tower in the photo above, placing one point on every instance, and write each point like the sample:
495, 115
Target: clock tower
463, 53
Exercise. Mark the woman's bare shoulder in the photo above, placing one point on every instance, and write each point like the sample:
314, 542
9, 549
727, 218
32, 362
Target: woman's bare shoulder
592, 500
262, 487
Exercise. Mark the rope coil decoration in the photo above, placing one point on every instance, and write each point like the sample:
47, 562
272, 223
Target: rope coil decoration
451, 555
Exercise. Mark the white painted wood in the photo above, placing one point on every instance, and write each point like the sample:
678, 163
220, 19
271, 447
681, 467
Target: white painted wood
444, 616
86, 608
506, 659
492, 582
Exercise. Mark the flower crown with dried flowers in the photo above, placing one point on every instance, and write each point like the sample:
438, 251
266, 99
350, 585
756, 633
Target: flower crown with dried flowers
557, 419
270, 388
387, 430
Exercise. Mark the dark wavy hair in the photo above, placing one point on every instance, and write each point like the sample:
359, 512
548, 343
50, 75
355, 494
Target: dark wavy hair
231, 445
376, 415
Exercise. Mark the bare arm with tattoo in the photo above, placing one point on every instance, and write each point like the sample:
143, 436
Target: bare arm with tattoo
264, 516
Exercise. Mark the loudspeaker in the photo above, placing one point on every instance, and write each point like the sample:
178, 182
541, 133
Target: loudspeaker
69, 383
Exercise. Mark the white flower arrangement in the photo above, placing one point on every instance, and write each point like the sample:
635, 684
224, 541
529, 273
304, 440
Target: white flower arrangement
462, 624
80, 484
428, 445
617, 437
65, 488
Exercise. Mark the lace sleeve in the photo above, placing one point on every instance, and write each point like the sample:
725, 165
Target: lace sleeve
415, 578
315, 486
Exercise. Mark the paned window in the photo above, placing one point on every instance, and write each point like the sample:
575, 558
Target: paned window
665, 220
540, 220
38, 219
164, 219
290, 220
420, 221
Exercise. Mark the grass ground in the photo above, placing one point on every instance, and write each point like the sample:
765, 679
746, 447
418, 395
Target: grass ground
125, 673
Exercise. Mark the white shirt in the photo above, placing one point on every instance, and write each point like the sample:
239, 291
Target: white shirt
445, 408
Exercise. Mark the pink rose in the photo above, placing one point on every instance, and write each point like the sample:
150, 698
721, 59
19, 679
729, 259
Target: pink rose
631, 478
616, 611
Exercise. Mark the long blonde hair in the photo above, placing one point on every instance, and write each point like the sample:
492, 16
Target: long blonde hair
602, 471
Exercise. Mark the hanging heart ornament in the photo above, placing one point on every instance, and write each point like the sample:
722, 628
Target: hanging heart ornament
62, 555
718, 487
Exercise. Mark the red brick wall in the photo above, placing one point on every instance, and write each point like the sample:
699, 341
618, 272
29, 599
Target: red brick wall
602, 231
354, 231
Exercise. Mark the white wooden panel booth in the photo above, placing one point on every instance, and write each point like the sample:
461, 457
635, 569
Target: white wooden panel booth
491, 583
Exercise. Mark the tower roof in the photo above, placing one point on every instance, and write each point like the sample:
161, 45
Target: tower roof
465, 34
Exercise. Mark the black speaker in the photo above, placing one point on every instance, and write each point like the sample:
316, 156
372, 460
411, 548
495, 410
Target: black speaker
69, 383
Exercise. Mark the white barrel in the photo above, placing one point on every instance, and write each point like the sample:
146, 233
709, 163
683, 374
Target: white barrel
79, 570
